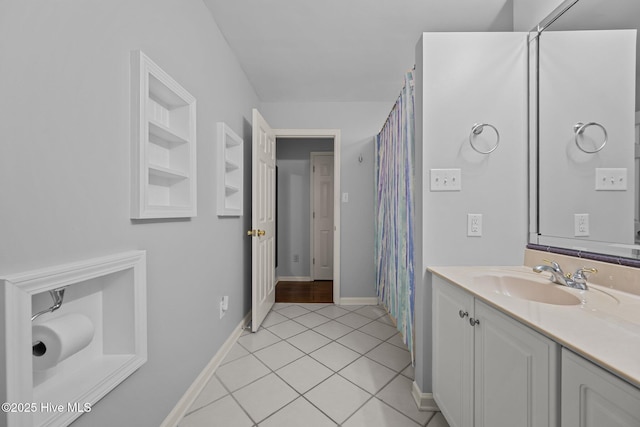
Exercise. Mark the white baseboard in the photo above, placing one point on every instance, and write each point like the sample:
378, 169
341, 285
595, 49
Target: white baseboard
294, 279
359, 301
424, 401
192, 393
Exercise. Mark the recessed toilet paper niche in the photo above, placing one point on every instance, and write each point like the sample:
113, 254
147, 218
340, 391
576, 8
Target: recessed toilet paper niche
67, 359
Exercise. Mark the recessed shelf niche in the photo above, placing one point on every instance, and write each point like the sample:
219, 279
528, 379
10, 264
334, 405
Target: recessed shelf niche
163, 143
230, 159
111, 293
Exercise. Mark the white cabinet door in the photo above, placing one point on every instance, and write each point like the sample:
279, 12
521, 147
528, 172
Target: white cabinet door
489, 370
592, 396
515, 373
453, 353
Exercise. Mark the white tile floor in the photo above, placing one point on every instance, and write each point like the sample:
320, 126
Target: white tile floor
314, 365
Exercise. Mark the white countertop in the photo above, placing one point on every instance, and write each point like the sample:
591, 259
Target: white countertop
604, 327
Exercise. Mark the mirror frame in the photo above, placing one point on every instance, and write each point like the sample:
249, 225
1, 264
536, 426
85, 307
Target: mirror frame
534, 236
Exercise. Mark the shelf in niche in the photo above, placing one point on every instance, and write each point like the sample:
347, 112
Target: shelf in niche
162, 172
230, 172
230, 189
163, 143
165, 133
230, 166
233, 142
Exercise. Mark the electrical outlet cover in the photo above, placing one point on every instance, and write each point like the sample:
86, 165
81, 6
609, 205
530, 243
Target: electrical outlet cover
474, 225
581, 225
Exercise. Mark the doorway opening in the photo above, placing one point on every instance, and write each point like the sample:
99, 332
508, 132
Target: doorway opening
307, 217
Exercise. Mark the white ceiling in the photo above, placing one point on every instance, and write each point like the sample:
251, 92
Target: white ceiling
341, 50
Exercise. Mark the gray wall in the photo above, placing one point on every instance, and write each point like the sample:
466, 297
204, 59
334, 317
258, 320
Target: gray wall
359, 122
493, 185
64, 174
294, 222
527, 14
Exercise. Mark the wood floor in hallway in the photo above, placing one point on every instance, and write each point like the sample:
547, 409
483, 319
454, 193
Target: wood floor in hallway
319, 291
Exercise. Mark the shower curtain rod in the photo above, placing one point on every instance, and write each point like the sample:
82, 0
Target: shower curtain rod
395, 104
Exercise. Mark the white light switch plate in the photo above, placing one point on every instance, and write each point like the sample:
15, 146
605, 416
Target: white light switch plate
611, 179
446, 180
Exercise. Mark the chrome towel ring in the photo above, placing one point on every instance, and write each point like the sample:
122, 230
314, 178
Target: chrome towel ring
477, 130
580, 127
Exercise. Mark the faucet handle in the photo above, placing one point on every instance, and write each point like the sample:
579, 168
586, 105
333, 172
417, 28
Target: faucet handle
580, 277
580, 274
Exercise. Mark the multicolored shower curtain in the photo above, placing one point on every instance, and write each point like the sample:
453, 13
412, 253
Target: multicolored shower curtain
395, 279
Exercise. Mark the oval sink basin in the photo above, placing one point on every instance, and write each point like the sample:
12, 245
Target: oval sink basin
528, 289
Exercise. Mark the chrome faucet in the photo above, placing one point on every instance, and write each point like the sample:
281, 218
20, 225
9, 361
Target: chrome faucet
577, 280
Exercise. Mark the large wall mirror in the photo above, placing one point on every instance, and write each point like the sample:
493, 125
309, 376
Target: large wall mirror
585, 114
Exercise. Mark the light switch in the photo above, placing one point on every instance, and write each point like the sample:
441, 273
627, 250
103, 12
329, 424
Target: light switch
446, 180
611, 179
345, 197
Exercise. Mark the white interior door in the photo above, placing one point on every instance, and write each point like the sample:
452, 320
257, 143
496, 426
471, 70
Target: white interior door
262, 220
322, 216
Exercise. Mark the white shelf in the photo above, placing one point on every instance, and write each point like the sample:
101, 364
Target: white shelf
162, 172
230, 178
229, 166
163, 143
165, 134
229, 189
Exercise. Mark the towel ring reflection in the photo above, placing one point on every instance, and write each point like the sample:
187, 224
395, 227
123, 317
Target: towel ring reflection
477, 130
580, 127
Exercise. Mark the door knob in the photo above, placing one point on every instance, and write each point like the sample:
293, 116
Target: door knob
251, 232
261, 232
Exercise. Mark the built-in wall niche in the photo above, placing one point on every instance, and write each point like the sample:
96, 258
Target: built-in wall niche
163, 143
230, 172
104, 337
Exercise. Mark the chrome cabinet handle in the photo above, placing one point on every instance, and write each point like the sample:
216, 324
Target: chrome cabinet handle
473, 322
463, 314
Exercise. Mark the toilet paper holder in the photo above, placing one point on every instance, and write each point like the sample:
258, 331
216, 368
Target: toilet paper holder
58, 296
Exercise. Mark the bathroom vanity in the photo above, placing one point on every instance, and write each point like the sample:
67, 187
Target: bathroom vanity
510, 348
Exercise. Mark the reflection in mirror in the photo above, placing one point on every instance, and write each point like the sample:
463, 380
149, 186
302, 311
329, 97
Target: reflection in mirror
587, 157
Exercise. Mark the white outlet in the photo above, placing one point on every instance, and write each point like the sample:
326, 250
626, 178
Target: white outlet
611, 179
296, 258
224, 305
581, 225
446, 180
474, 225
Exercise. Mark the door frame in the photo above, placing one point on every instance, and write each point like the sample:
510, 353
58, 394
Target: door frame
335, 134
312, 233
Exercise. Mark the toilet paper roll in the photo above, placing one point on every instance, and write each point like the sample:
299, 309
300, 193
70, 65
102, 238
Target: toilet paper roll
59, 338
